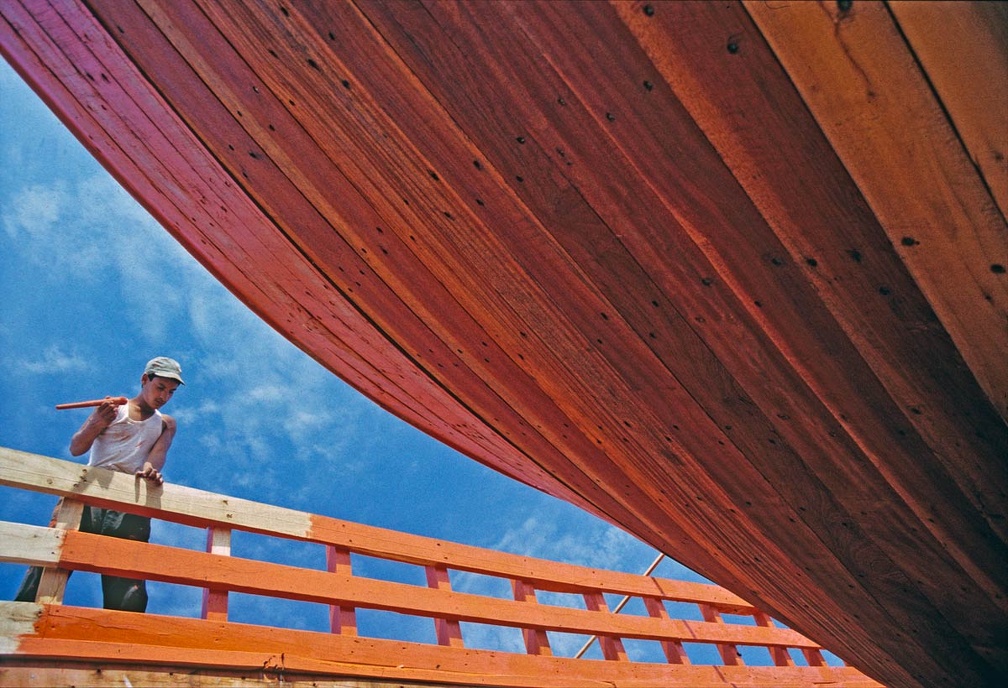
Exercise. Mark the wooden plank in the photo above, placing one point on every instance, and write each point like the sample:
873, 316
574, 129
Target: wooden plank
95, 553
612, 646
542, 574
31, 545
779, 655
674, 651
197, 507
17, 620
446, 630
949, 235
52, 584
215, 602
962, 48
112, 489
342, 620
536, 640
168, 677
66, 633
729, 653
99, 675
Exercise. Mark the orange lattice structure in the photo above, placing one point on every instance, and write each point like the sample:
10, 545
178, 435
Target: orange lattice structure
50, 643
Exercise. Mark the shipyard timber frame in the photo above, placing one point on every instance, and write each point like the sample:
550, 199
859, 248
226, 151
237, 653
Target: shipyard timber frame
731, 275
51, 644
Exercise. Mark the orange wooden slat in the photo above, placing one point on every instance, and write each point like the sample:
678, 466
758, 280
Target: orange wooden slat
780, 655
71, 633
447, 631
196, 507
536, 640
612, 646
342, 620
215, 602
729, 653
96, 553
674, 651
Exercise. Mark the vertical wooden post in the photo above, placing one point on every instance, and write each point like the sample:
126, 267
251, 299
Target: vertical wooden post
536, 640
780, 655
612, 647
729, 653
448, 631
52, 584
342, 620
814, 658
215, 602
675, 653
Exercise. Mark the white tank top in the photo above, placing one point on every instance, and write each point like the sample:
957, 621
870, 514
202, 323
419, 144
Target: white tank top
125, 443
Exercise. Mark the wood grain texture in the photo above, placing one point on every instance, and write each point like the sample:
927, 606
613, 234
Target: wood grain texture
69, 634
729, 275
190, 506
34, 635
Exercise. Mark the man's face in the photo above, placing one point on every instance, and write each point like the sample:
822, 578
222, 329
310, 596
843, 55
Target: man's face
158, 390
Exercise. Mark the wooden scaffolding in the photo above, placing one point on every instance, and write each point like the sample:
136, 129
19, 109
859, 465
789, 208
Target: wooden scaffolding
51, 643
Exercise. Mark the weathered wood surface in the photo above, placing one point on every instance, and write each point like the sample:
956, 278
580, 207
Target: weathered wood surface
730, 275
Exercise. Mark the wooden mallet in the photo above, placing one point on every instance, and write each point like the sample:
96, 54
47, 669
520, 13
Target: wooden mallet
118, 401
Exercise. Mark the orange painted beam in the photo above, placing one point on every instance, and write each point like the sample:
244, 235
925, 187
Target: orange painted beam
88, 552
342, 619
448, 631
215, 601
204, 509
62, 633
536, 640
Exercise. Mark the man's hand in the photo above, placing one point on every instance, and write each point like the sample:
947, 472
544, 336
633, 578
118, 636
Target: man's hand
95, 425
150, 474
106, 412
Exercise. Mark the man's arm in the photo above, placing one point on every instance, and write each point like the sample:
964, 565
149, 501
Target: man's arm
159, 452
95, 425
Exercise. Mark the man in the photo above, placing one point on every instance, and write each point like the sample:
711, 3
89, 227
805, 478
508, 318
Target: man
131, 438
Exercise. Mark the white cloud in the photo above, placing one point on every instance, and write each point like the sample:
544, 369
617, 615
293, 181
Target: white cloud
54, 360
34, 211
600, 546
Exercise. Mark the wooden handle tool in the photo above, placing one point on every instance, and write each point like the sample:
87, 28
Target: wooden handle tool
118, 401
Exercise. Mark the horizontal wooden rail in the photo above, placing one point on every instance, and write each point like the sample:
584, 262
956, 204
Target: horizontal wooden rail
44, 633
206, 509
74, 633
98, 554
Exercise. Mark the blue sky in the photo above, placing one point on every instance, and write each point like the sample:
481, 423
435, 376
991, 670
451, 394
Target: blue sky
92, 287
